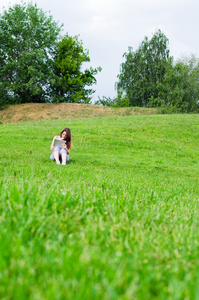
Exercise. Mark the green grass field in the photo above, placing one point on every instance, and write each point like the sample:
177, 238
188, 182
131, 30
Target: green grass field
120, 221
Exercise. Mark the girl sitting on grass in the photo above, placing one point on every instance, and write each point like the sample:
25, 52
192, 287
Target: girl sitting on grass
63, 151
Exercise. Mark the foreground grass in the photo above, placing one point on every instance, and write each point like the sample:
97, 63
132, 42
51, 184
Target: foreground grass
120, 221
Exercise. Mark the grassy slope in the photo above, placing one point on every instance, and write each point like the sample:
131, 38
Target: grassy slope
120, 221
31, 112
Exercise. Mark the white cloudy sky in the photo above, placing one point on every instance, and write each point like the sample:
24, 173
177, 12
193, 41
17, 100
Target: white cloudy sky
108, 27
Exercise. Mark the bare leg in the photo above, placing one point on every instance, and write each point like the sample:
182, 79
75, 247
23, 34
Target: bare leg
56, 155
63, 156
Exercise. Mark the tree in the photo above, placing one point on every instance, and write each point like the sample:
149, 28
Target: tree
144, 69
70, 84
149, 77
37, 64
27, 45
180, 88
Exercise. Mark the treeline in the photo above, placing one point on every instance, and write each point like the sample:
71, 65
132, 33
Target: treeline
149, 77
38, 64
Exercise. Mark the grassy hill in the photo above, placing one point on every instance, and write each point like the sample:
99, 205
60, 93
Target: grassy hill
119, 221
56, 111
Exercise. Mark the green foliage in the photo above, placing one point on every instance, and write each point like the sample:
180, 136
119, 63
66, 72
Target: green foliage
120, 101
180, 89
106, 101
150, 77
34, 66
120, 221
70, 80
27, 39
143, 69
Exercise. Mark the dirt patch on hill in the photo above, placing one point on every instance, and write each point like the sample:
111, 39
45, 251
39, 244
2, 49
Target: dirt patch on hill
51, 111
